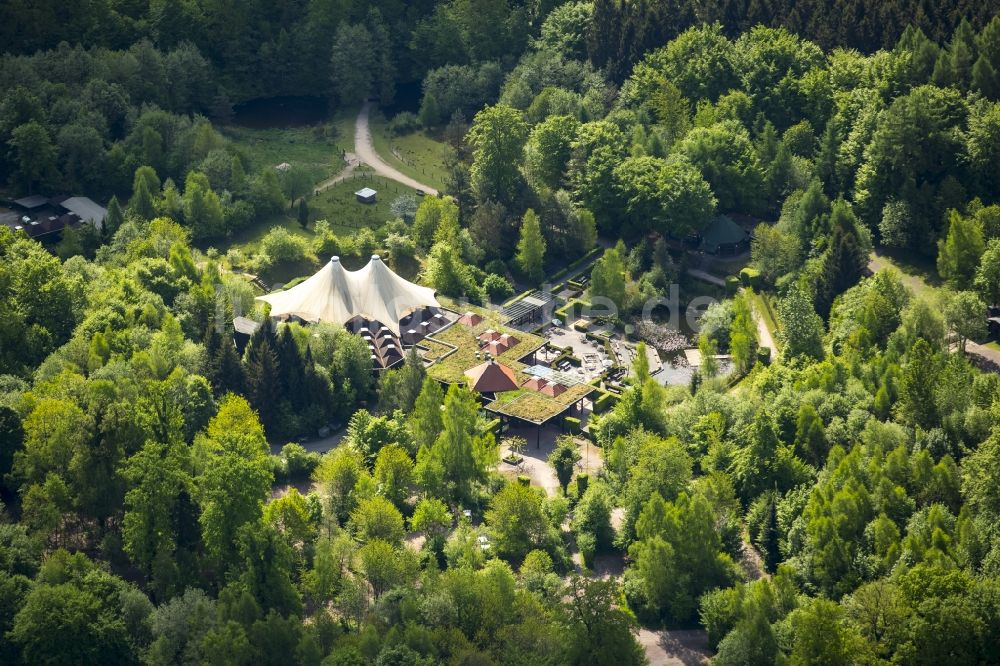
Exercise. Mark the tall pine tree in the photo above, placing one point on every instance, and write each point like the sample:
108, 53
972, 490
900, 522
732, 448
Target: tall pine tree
845, 259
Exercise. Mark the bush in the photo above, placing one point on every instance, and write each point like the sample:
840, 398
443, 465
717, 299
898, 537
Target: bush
494, 427
764, 355
732, 284
750, 277
404, 123
582, 480
571, 424
587, 544
497, 287
524, 480
299, 463
605, 402
495, 266
281, 246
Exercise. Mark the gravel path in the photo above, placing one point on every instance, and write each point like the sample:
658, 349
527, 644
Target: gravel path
365, 150
364, 154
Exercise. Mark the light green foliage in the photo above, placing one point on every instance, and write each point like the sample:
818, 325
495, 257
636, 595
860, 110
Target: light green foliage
608, 278
344, 481
202, 209
518, 522
660, 467
498, 135
377, 518
393, 473
235, 478
960, 250
987, 280
743, 335
592, 516
460, 455
727, 160
677, 555
431, 516
965, 314
548, 150
801, 327
531, 248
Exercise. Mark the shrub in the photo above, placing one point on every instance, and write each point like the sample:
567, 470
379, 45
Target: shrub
493, 427
732, 284
571, 424
587, 544
497, 287
299, 463
404, 123
604, 402
495, 266
750, 277
764, 355
280, 246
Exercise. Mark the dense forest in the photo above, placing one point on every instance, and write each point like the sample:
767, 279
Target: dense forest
835, 502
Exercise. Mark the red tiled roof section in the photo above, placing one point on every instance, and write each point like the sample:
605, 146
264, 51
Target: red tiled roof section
491, 377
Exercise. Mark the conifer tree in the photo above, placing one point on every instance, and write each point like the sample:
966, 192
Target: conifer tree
303, 213
141, 203
115, 217
960, 251
845, 260
531, 248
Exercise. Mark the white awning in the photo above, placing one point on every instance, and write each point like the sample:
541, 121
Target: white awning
338, 295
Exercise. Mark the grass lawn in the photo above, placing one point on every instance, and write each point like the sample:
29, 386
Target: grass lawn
417, 155
919, 275
994, 345
345, 213
451, 368
305, 147
248, 239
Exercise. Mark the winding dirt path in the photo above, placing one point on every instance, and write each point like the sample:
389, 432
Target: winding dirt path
365, 150
364, 154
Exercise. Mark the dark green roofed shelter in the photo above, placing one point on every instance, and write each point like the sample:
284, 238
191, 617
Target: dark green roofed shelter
725, 237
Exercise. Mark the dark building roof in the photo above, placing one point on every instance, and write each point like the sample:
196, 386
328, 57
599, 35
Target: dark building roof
722, 231
32, 202
86, 210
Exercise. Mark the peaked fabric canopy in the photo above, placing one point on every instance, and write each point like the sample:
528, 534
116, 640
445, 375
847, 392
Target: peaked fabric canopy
338, 295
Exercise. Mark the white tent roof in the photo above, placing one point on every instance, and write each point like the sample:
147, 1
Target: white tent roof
338, 295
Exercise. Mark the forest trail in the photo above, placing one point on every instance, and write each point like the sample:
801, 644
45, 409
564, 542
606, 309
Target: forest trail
764, 337
364, 154
345, 173
365, 150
